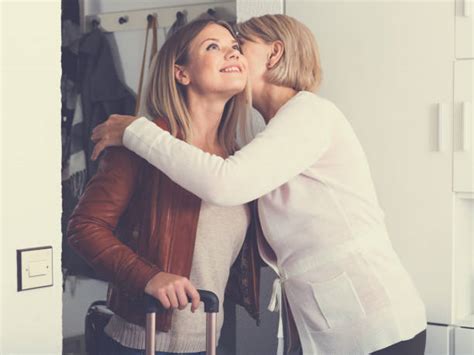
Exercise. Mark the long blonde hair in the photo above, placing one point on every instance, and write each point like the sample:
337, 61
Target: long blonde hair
167, 99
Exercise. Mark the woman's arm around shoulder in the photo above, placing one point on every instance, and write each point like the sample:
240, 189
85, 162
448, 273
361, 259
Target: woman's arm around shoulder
292, 142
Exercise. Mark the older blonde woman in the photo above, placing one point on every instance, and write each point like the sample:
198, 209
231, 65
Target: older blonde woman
318, 209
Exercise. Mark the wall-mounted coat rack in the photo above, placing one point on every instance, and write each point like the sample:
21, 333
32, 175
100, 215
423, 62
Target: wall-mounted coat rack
137, 19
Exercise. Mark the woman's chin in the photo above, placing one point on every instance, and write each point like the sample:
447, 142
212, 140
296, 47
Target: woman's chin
228, 92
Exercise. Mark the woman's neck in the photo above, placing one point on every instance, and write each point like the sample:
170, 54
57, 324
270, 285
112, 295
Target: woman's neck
206, 114
270, 98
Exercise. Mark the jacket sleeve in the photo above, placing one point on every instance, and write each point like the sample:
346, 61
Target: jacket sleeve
94, 220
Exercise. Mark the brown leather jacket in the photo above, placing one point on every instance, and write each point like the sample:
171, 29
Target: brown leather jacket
133, 222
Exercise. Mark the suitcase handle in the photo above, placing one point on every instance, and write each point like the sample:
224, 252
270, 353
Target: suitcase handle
210, 300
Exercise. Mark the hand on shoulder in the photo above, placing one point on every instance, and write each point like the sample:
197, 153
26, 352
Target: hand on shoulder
110, 133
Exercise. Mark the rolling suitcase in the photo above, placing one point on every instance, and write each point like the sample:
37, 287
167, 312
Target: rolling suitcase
211, 307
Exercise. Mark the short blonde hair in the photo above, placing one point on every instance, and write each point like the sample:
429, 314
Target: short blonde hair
299, 68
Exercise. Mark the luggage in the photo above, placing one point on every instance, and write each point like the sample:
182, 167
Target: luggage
97, 317
211, 307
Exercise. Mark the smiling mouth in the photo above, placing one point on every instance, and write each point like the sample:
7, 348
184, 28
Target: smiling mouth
231, 70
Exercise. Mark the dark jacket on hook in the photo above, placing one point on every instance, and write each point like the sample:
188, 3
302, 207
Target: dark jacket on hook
102, 94
102, 91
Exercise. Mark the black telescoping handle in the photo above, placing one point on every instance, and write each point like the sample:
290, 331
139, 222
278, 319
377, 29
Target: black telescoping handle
210, 300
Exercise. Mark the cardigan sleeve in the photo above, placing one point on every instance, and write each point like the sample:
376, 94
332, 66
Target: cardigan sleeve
294, 139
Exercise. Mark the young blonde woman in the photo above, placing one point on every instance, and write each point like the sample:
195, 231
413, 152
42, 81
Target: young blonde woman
346, 287
144, 233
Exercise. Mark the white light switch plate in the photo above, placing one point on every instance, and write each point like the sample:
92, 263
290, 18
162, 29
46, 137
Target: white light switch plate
35, 268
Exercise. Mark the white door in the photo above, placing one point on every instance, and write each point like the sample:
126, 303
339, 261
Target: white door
389, 67
464, 29
464, 341
463, 177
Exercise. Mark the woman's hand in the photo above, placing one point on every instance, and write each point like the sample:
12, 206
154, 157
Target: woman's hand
173, 291
110, 133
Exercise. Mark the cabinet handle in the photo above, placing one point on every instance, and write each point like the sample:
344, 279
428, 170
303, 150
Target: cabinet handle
467, 8
466, 129
442, 108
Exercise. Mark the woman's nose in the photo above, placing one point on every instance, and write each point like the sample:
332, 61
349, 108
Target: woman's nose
233, 53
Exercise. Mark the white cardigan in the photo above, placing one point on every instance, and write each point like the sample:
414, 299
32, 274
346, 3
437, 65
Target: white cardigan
319, 212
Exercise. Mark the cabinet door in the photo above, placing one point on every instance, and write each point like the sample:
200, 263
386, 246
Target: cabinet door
388, 66
464, 29
438, 340
463, 175
464, 341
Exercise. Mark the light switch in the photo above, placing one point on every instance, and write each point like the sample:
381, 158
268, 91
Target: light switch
35, 268
38, 268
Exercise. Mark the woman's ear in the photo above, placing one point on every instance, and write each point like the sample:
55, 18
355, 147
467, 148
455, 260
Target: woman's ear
181, 75
277, 50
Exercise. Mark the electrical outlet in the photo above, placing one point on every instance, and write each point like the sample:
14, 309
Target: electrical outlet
34, 268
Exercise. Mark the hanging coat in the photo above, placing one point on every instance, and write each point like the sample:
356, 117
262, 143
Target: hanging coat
101, 93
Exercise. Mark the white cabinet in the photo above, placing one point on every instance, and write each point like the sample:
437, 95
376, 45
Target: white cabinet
439, 340
464, 29
464, 341
463, 165
389, 67
448, 340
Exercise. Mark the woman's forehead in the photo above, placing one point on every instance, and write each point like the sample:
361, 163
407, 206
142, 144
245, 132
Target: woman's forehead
216, 32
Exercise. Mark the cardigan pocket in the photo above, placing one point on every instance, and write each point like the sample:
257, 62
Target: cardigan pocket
338, 301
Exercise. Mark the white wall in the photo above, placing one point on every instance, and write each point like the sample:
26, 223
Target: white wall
1, 181
250, 8
30, 321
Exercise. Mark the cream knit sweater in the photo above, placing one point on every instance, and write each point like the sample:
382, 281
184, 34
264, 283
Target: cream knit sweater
220, 235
